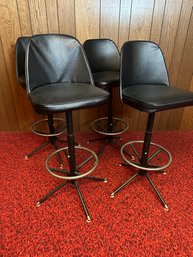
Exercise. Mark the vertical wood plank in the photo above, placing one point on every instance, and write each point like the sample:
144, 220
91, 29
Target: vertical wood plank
158, 15
10, 30
184, 78
24, 17
167, 42
38, 16
124, 23
66, 16
109, 23
186, 122
169, 28
87, 19
7, 108
141, 18
52, 16
182, 31
4, 126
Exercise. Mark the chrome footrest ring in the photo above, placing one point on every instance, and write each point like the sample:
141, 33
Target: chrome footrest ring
100, 126
40, 127
151, 167
77, 175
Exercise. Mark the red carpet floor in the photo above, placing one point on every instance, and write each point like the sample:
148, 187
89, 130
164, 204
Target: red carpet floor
134, 223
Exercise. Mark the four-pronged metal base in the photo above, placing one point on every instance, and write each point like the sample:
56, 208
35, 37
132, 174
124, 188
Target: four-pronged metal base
73, 183
85, 159
159, 159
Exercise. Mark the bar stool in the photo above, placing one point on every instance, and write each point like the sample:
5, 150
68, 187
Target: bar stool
145, 86
66, 85
104, 60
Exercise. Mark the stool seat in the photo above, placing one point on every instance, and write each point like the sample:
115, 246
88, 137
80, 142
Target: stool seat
106, 79
57, 97
156, 98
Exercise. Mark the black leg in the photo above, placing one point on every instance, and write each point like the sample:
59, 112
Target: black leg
82, 201
50, 193
157, 192
37, 149
124, 184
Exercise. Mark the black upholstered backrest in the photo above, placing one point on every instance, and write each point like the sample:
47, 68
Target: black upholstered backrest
20, 48
55, 58
102, 55
142, 62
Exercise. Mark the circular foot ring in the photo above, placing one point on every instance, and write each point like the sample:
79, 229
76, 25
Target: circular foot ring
158, 149
100, 126
77, 175
40, 127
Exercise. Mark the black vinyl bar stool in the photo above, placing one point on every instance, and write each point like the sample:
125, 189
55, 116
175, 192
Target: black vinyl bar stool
58, 79
50, 127
104, 60
145, 86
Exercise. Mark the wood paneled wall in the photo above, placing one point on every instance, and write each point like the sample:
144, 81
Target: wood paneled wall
167, 22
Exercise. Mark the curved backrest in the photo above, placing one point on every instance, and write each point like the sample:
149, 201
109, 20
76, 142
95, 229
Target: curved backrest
55, 58
20, 48
142, 62
102, 54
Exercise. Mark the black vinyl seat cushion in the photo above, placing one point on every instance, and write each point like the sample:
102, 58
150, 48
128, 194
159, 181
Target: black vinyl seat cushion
57, 97
106, 79
153, 98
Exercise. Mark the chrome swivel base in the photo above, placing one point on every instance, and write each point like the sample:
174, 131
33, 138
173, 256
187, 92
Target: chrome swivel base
159, 159
86, 161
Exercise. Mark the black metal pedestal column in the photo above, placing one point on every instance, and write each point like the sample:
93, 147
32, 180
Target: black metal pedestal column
72, 159
145, 152
147, 141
